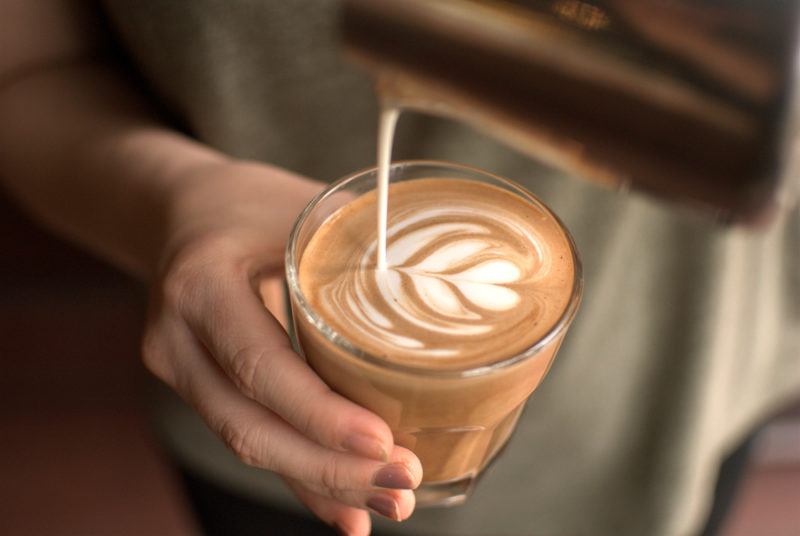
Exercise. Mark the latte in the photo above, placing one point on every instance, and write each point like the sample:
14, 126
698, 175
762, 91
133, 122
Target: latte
446, 342
474, 274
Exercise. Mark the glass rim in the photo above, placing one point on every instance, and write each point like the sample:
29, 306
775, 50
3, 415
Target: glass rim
292, 277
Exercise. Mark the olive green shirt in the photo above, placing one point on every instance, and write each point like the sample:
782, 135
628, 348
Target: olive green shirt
687, 338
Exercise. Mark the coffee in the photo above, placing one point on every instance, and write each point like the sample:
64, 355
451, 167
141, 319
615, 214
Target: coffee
474, 273
448, 341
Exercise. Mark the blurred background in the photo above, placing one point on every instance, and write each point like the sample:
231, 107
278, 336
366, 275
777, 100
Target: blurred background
78, 455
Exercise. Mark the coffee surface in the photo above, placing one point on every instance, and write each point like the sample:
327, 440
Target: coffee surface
475, 274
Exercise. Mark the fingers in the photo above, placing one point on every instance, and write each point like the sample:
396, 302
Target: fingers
253, 350
347, 520
394, 504
226, 355
261, 438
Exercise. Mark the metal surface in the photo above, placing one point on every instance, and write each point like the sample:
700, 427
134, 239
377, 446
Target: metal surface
692, 101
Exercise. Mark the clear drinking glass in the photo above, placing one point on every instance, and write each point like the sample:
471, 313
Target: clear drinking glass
455, 421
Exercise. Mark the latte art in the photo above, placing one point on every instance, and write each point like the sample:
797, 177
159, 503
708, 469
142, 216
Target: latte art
469, 272
451, 279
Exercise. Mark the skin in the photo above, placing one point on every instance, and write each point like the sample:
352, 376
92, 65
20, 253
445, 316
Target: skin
83, 151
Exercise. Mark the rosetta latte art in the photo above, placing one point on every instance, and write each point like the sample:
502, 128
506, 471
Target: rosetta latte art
454, 274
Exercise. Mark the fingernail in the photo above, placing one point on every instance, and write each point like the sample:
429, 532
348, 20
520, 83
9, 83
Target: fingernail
394, 476
365, 445
384, 506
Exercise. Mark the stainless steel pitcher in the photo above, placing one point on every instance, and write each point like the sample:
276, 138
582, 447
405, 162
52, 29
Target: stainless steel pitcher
689, 100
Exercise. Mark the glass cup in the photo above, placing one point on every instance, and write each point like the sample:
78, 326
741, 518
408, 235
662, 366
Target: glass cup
455, 421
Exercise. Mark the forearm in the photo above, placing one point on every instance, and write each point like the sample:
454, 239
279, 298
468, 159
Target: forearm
84, 153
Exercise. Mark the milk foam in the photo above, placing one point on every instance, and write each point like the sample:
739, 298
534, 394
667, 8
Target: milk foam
460, 275
386, 126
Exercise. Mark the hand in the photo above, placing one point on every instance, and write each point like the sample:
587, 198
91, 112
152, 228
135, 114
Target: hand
211, 339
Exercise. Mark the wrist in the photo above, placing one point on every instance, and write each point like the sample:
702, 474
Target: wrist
167, 167
240, 206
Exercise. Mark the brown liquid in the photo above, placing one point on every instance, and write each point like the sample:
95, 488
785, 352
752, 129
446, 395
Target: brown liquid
476, 275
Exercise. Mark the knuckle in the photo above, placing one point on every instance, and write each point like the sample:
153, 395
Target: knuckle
333, 476
248, 367
243, 441
348, 497
177, 285
196, 267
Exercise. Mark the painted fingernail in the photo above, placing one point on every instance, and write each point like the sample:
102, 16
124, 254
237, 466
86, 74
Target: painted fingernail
365, 445
394, 476
384, 506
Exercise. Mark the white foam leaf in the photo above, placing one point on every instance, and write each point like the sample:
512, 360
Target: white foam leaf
401, 249
492, 271
440, 297
481, 284
492, 297
448, 256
